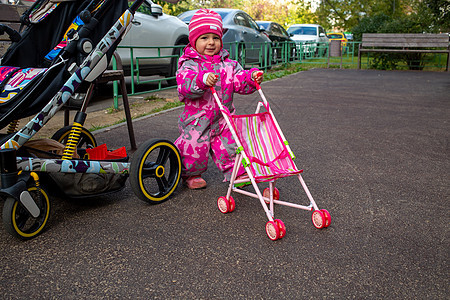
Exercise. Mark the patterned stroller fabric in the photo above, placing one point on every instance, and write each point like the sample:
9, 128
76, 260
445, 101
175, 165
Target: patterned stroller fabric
76, 23
41, 11
262, 143
13, 80
55, 51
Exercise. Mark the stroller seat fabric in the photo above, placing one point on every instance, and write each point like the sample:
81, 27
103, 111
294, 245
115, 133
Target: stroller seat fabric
13, 80
263, 145
42, 10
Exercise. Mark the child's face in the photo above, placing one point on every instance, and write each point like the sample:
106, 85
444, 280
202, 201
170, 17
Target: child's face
208, 44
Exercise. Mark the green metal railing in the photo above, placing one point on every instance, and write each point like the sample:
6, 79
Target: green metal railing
260, 55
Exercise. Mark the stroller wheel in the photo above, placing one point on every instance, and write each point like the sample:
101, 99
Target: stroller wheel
232, 204
272, 230
327, 217
281, 227
318, 219
276, 194
155, 170
224, 205
19, 222
86, 140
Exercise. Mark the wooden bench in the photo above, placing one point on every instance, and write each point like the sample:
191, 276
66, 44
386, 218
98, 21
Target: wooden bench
9, 15
404, 43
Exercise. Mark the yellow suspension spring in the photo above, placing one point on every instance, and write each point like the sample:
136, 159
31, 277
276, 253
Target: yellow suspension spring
35, 177
13, 126
72, 142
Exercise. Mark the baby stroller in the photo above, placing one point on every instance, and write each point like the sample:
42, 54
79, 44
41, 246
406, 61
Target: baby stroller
39, 73
266, 156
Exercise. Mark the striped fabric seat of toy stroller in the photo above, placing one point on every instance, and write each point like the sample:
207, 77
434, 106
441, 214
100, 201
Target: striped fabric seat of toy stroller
264, 147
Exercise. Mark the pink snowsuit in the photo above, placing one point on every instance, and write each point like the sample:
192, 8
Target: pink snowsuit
203, 129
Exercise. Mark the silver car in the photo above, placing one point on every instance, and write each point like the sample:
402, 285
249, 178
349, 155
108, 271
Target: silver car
242, 36
153, 28
312, 37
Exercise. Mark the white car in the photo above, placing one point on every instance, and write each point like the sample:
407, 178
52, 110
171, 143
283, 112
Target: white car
153, 28
311, 36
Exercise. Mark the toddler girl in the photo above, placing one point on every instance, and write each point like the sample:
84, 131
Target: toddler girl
203, 130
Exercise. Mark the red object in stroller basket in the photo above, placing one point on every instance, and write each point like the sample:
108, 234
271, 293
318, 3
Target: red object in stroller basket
266, 156
101, 152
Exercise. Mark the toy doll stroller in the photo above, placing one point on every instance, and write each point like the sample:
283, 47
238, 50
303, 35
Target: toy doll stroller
266, 157
38, 75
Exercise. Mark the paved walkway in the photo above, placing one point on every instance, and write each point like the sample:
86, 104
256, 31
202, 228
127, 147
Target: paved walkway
374, 146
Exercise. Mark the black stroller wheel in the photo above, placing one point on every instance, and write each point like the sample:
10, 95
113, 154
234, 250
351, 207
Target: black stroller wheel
19, 222
87, 140
155, 170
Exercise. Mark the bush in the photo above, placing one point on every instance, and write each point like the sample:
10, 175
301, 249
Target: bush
370, 25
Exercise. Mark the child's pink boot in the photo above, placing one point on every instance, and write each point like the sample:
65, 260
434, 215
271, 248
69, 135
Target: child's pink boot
195, 182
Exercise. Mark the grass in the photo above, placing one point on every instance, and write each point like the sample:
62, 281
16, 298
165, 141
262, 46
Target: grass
283, 70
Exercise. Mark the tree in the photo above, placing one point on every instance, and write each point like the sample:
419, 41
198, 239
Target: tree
300, 13
173, 9
346, 14
439, 10
285, 13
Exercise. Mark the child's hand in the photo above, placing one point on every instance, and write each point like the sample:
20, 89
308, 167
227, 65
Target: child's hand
211, 80
258, 76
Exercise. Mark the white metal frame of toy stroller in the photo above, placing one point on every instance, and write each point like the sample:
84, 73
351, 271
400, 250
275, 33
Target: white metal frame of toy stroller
14, 181
275, 228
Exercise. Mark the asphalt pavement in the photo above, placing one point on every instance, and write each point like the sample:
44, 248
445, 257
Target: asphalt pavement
375, 149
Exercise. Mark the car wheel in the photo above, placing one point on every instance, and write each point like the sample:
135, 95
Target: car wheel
275, 55
241, 54
293, 51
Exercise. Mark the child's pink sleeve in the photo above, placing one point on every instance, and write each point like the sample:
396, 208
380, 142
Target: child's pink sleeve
243, 81
190, 82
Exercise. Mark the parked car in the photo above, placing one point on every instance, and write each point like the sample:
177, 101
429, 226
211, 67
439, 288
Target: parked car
153, 28
241, 34
311, 36
338, 36
349, 36
279, 37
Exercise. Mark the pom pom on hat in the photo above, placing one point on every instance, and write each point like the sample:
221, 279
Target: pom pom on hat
204, 21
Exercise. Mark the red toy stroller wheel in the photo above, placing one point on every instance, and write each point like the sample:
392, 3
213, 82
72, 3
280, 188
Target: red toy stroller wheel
272, 230
318, 219
223, 205
281, 227
232, 204
276, 194
327, 217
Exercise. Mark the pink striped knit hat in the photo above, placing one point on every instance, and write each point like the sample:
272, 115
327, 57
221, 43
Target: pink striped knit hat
202, 22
